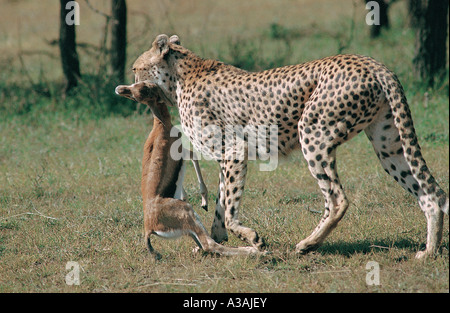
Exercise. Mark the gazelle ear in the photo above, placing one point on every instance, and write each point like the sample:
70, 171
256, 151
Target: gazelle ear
162, 97
157, 113
175, 40
161, 44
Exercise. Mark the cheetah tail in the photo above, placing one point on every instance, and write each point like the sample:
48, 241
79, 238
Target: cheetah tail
395, 95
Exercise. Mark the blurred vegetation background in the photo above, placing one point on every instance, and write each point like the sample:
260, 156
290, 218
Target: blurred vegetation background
254, 35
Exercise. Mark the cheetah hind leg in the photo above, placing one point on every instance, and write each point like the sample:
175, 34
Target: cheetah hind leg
433, 201
336, 203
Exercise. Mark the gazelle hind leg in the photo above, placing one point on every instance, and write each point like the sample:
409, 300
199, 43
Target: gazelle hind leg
386, 142
150, 248
205, 242
172, 218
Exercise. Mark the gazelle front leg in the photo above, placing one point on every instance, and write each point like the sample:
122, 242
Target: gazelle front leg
189, 154
203, 189
218, 230
180, 193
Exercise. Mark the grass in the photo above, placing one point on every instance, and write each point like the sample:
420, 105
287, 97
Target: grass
70, 169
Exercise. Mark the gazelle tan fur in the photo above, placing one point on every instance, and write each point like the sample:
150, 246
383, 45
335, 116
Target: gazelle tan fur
162, 178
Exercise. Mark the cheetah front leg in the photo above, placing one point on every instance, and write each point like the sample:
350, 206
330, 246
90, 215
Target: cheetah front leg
234, 173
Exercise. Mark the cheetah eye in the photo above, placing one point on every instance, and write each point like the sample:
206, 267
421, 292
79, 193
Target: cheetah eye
134, 69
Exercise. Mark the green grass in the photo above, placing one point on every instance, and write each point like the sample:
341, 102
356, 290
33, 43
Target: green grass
70, 168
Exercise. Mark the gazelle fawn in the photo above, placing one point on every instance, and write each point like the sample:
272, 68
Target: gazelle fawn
162, 179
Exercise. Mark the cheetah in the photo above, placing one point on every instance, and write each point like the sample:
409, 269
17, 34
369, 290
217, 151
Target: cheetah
319, 104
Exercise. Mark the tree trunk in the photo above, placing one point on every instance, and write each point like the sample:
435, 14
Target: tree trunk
67, 46
375, 30
118, 40
430, 22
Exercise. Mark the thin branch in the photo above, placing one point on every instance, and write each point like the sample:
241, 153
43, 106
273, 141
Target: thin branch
97, 11
39, 52
146, 27
34, 86
314, 211
343, 46
163, 283
380, 247
328, 272
103, 42
29, 213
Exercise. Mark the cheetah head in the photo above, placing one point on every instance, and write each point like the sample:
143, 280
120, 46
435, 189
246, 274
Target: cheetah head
156, 64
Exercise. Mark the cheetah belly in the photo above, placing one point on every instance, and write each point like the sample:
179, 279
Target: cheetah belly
213, 140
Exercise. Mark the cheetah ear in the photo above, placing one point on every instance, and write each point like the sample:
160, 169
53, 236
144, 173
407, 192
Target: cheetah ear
175, 40
161, 43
